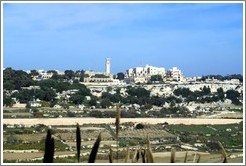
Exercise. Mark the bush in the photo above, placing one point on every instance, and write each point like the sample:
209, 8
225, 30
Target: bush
139, 126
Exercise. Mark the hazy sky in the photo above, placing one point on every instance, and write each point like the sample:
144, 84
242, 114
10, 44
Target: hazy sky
199, 39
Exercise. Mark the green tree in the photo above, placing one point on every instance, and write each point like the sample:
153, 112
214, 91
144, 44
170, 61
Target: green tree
220, 93
206, 90
49, 94
93, 101
69, 74
184, 92
156, 100
7, 101
139, 126
95, 113
77, 99
233, 96
156, 78
53, 72
62, 86
105, 103
15, 79
84, 92
100, 76
47, 83
120, 76
138, 92
24, 95
34, 73
71, 114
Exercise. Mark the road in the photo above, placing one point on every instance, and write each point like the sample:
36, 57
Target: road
73, 121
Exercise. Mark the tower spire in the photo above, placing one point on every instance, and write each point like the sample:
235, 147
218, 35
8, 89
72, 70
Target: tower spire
107, 66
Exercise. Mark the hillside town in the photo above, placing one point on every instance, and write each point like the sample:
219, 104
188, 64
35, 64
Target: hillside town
141, 92
185, 113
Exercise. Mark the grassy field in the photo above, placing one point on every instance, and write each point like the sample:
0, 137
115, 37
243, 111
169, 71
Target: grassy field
163, 157
231, 135
161, 136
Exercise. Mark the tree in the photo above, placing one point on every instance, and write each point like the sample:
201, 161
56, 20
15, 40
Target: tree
9, 85
100, 76
24, 95
105, 103
15, 79
158, 101
62, 86
184, 92
156, 78
206, 90
139, 126
49, 94
47, 83
77, 99
34, 73
71, 114
69, 74
84, 92
233, 96
115, 98
139, 92
57, 77
95, 113
93, 101
220, 93
120, 76
82, 76
53, 72
7, 101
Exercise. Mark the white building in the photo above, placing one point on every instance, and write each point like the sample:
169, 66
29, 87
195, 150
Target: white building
100, 76
143, 74
35, 103
43, 75
175, 74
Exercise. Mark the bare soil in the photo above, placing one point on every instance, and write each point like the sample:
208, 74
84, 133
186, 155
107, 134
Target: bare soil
73, 121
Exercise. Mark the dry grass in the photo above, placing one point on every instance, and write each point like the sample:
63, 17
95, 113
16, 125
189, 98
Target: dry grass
127, 155
81, 121
145, 153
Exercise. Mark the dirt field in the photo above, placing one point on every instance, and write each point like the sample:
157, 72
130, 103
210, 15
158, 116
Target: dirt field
73, 121
162, 157
22, 156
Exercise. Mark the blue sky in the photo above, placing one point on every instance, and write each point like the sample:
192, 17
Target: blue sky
199, 39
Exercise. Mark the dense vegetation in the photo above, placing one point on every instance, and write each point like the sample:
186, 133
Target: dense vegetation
15, 81
231, 135
222, 78
205, 95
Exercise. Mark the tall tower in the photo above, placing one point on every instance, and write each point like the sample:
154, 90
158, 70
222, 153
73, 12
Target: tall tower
107, 66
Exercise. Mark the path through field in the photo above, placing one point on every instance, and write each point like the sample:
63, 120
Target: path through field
73, 121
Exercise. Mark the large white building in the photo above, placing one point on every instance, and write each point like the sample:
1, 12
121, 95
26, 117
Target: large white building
143, 74
100, 76
175, 74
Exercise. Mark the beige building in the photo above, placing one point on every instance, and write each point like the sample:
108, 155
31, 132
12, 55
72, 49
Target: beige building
143, 74
175, 74
100, 76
